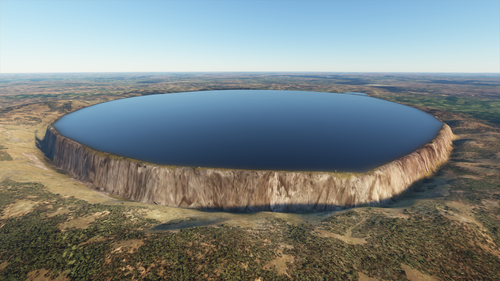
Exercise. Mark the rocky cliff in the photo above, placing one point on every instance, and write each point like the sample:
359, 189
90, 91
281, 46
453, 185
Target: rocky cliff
243, 190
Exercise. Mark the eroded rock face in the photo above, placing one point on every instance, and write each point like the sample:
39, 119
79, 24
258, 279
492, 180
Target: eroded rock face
243, 190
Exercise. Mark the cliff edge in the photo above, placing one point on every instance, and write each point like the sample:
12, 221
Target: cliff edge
243, 190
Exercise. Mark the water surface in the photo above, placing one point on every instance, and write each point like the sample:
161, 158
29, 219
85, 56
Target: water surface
254, 129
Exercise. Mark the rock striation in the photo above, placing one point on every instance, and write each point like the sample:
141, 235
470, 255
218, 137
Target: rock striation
243, 190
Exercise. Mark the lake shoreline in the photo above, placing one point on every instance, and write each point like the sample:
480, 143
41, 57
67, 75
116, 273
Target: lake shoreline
243, 190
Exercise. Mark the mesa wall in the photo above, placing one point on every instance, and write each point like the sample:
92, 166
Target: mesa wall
242, 190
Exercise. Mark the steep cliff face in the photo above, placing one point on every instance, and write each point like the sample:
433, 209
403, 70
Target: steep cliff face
243, 190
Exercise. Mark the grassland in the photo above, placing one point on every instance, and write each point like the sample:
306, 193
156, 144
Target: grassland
443, 228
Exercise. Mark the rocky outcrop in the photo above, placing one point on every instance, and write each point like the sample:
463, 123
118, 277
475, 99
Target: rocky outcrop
243, 190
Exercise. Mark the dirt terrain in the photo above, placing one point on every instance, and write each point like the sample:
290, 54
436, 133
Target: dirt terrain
445, 227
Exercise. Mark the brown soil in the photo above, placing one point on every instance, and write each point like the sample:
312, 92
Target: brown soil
41, 275
364, 277
283, 263
415, 275
443, 189
83, 222
346, 238
127, 246
3, 265
35, 161
60, 211
20, 208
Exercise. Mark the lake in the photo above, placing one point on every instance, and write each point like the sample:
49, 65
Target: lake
254, 129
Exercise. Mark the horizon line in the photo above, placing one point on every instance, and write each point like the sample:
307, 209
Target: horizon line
130, 72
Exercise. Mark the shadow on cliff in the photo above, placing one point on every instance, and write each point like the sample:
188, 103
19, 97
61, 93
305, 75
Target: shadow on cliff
146, 183
301, 208
296, 208
417, 190
39, 143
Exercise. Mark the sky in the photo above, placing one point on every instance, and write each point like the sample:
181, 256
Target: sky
249, 36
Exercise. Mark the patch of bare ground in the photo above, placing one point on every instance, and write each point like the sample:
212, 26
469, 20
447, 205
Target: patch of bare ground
468, 124
473, 143
130, 269
490, 249
364, 277
19, 208
464, 155
393, 213
478, 168
43, 275
95, 240
3, 265
415, 275
347, 238
489, 136
35, 161
283, 263
144, 271
164, 214
127, 246
490, 204
495, 162
59, 211
462, 213
161, 271
82, 222
468, 177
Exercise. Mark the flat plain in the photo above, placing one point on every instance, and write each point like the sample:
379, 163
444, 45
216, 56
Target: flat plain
445, 227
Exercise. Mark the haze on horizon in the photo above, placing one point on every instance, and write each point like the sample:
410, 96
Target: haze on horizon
249, 36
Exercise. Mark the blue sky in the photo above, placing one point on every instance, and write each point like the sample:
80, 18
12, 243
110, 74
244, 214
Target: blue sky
296, 36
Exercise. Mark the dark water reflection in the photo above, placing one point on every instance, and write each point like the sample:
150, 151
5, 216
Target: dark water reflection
254, 129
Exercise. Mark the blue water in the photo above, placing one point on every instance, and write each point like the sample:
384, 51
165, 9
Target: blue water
254, 129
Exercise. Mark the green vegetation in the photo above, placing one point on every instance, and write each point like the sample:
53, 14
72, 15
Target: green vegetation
4, 156
27, 96
446, 227
483, 109
427, 240
35, 242
64, 108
